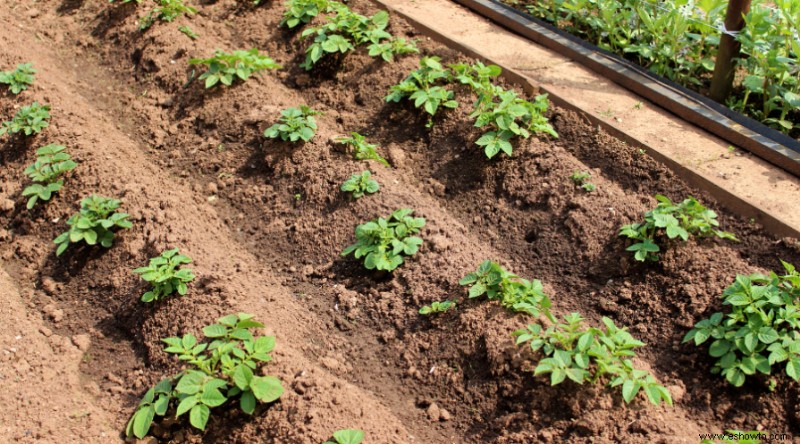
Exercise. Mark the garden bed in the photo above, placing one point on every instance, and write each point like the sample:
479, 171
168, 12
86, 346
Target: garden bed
265, 223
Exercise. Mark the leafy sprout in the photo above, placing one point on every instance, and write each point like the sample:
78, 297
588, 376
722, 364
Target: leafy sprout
347, 436
165, 274
682, 220
574, 351
384, 243
51, 163
19, 79
219, 370
362, 150
360, 184
224, 68
95, 223
437, 307
295, 124
761, 329
513, 292
30, 119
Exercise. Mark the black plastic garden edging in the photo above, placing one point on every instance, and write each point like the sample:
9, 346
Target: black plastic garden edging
766, 143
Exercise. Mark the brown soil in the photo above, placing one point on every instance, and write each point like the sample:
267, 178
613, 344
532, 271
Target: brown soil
194, 172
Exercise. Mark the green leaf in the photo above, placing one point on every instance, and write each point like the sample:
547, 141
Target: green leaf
348, 436
142, 421
266, 388
215, 331
198, 416
185, 405
247, 402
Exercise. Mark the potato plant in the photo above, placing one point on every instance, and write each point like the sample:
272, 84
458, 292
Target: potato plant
51, 163
509, 116
218, 371
688, 218
761, 329
477, 76
581, 179
30, 119
300, 12
437, 307
345, 30
424, 87
295, 124
360, 184
513, 292
19, 79
225, 67
384, 243
362, 150
347, 436
571, 350
165, 274
95, 223
166, 11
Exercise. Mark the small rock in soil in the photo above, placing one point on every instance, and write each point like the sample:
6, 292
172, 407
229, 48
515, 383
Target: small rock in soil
433, 412
83, 342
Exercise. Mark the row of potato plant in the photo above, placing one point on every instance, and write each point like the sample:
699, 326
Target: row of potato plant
503, 112
679, 40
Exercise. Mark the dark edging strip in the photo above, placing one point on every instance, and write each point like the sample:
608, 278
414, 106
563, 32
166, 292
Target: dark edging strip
728, 199
766, 143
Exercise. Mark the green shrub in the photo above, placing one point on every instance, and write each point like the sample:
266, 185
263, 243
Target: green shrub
688, 218
19, 79
581, 179
217, 372
165, 274
580, 353
299, 12
361, 149
361, 184
513, 292
31, 119
509, 116
347, 436
383, 243
295, 124
166, 11
437, 307
224, 68
51, 163
423, 86
346, 30
761, 329
94, 223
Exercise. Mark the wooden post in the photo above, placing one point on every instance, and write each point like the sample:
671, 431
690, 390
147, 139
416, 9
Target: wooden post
724, 68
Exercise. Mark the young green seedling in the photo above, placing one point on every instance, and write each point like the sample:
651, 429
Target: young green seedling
224, 68
688, 218
761, 329
390, 48
31, 119
188, 32
423, 86
513, 292
219, 371
299, 12
580, 353
167, 11
581, 179
363, 150
360, 184
383, 243
93, 224
295, 124
19, 79
165, 274
51, 163
437, 307
509, 116
347, 436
